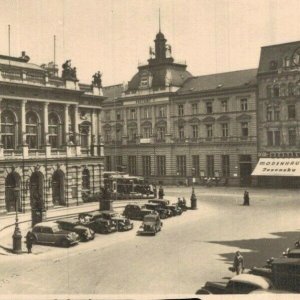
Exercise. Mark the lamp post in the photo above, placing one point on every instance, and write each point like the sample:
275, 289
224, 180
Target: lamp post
17, 236
193, 196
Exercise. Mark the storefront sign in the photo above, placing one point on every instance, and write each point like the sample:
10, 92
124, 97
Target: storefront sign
280, 154
277, 167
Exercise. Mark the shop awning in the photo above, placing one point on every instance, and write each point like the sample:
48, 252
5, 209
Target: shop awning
277, 167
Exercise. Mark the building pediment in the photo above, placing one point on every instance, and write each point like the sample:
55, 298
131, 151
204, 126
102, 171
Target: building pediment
180, 122
194, 120
209, 119
132, 124
223, 118
161, 123
243, 117
146, 124
107, 127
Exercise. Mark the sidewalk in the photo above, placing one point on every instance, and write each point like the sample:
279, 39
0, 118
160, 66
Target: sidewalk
7, 223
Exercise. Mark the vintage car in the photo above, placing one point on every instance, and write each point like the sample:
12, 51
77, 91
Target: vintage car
239, 284
96, 222
151, 224
182, 203
122, 223
163, 212
135, 211
173, 209
72, 224
52, 233
292, 253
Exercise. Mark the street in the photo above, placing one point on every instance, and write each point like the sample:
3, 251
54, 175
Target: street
191, 249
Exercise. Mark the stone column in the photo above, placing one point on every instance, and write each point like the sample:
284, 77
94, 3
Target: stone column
125, 136
153, 119
168, 133
46, 129
94, 134
76, 130
138, 122
1, 146
67, 124
23, 128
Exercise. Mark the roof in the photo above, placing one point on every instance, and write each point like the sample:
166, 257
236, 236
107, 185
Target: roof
20, 64
112, 92
69, 220
48, 223
259, 281
276, 53
219, 81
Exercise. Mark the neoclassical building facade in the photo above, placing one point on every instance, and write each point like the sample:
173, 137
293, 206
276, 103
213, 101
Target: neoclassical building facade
51, 152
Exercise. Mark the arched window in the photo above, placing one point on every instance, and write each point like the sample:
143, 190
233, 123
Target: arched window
32, 130
8, 129
276, 90
54, 130
84, 134
269, 92
291, 90
85, 179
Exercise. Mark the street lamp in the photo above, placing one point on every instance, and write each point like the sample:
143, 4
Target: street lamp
17, 236
193, 196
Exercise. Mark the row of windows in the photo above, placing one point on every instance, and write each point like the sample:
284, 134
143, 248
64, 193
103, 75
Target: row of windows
34, 133
181, 165
282, 90
274, 137
146, 112
161, 131
273, 112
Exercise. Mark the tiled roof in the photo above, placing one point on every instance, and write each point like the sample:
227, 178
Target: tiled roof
276, 53
219, 81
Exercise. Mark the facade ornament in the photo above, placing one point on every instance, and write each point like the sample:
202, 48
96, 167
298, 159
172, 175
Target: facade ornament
97, 81
168, 50
58, 166
37, 168
68, 72
151, 53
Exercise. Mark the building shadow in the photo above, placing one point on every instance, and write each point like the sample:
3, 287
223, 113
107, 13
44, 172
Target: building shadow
260, 249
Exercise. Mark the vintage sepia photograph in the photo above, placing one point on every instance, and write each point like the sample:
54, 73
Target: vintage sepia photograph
149, 149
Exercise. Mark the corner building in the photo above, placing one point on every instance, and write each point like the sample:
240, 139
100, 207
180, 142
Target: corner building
169, 126
51, 149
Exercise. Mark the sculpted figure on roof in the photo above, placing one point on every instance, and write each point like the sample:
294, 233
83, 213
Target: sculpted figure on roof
97, 81
68, 72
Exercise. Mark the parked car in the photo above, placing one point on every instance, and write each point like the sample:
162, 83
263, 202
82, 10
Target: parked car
135, 211
122, 223
173, 209
182, 203
72, 224
96, 222
151, 224
52, 233
239, 284
292, 253
163, 212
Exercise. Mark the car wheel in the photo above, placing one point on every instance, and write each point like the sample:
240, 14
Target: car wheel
65, 243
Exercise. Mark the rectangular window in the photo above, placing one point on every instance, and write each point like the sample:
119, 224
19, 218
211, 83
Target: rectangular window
195, 131
132, 114
119, 134
224, 104
180, 110
269, 114
118, 115
291, 112
277, 137
209, 107
119, 163
146, 160
181, 165
224, 130
107, 163
107, 115
210, 166
147, 132
225, 166
161, 165
107, 135
209, 131
161, 133
270, 138
194, 108
132, 134
161, 111
196, 165
132, 165
292, 136
181, 132
147, 113
245, 130
244, 104
276, 114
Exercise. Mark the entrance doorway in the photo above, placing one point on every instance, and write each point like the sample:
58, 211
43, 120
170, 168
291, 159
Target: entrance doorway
37, 190
12, 192
245, 170
58, 188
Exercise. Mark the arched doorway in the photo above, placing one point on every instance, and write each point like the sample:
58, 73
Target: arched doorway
12, 192
37, 190
58, 188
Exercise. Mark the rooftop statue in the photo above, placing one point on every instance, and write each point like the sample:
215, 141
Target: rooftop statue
97, 81
68, 72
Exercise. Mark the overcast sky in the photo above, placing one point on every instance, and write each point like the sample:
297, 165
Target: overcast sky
114, 35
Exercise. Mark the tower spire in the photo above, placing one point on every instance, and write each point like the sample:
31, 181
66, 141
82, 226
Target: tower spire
159, 19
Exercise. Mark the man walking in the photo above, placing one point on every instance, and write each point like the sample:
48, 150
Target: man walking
238, 263
29, 241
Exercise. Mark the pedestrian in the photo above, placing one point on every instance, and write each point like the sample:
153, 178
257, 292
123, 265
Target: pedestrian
161, 192
29, 241
238, 263
246, 198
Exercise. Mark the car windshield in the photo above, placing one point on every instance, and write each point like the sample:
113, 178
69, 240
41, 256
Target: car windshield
56, 228
150, 218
